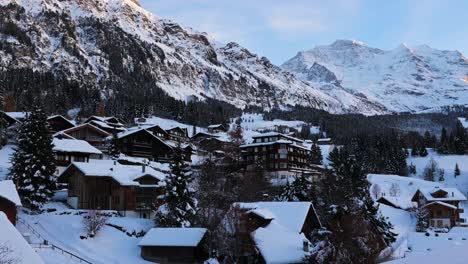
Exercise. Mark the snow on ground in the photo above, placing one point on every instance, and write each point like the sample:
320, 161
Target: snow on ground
448, 247
326, 149
5, 154
64, 228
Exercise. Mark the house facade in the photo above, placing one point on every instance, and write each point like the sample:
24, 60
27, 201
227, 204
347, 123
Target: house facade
140, 142
67, 151
89, 133
281, 155
442, 205
58, 123
108, 185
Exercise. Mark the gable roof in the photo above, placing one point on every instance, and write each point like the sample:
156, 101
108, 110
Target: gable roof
102, 124
97, 129
21, 250
273, 134
17, 115
9, 192
216, 126
291, 215
74, 145
134, 130
442, 204
175, 237
104, 119
61, 117
453, 194
123, 174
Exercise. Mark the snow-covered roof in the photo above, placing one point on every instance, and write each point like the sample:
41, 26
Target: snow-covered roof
123, 174
215, 126
62, 117
9, 192
173, 237
134, 130
17, 115
443, 204
453, 194
323, 139
103, 124
273, 134
291, 215
84, 125
278, 244
22, 252
74, 145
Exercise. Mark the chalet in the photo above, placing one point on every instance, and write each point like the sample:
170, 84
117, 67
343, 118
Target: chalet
108, 185
110, 124
442, 205
178, 134
87, 132
140, 142
21, 252
173, 245
282, 156
218, 128
14, 117
202, 136
9, 200
324, 141
67, 151
277, 230
58, 123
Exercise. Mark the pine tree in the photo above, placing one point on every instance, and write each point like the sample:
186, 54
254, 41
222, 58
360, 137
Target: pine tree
421, 218
412, 169
114, 151
457, 170
315, 154
297, 191
181, 206
33, 163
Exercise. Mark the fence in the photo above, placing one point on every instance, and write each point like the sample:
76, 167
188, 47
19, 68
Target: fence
46, 244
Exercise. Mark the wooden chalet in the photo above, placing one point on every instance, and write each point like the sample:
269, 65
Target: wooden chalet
178, 134
140, 142
109, 185
9, 200
87, 132
259, 222
443, 205
110, 124
67, 151
283, 156
217, 128
174, 245
58, 123
13, 118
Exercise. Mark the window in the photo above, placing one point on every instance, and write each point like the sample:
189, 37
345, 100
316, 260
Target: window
439, 212
61, 157
79, 159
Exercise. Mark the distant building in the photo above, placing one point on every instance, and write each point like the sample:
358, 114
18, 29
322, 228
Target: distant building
324, 141
178, 134
67, 151
110, 124
87, 132
174, 245
14, 117
216, 128
9, 200
58, 123
108, 185
282, 156
443, 205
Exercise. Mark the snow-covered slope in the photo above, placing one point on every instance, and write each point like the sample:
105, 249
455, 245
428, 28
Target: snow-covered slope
403, 79
109, 43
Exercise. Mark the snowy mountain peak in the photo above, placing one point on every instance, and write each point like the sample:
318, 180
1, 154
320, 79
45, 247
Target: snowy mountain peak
402, 79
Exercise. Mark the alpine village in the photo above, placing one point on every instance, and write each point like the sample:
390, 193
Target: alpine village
128, 138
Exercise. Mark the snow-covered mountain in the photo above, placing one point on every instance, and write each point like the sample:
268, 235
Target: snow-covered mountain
411, 79
116, 43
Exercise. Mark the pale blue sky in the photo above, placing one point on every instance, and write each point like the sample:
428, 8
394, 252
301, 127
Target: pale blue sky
278, 29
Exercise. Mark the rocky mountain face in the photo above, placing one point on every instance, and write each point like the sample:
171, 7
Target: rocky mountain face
413, 79
115, 52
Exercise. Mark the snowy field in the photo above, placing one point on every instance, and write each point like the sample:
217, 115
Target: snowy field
64, 228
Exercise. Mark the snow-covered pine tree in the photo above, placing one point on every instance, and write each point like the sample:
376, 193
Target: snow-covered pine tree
181, 206
315, 154
297, 191
421, 219
457, 170
33, 163
113, 149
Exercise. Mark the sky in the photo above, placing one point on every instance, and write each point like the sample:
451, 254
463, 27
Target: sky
278, 29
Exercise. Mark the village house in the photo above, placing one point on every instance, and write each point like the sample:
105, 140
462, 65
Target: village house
9, 200
178, 134
442, 205
87, 132
324, 141
67, 151
275, 232
282, 156
109, 185
218, 128
58, 123
110, 124
13, 118
173, 245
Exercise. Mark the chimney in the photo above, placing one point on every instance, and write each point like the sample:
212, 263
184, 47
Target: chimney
305, 245
143, 168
